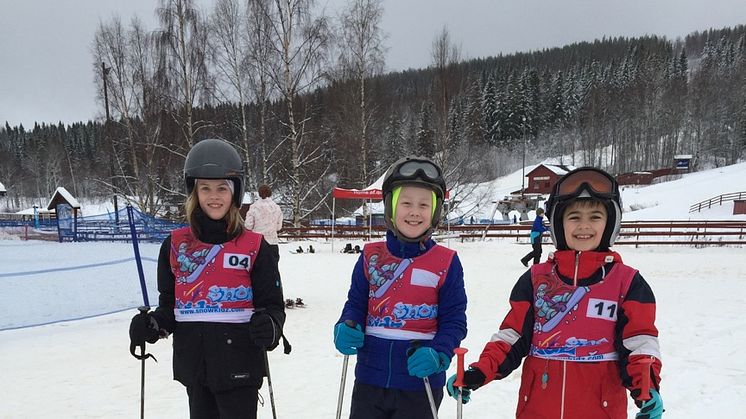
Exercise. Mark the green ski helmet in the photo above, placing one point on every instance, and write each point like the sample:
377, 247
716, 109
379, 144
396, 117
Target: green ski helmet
416, 171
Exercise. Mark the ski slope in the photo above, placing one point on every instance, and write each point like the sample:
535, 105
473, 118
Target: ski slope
64, 328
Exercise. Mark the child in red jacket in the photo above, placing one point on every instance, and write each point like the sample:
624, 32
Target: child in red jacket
584, 321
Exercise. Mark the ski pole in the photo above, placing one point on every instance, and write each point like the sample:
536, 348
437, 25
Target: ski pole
352, 324
459, 382
138, 260
142, 309
269, 376
430, 398
426, 380
269, 384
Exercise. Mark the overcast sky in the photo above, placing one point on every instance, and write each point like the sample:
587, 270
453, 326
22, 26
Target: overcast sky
46, 70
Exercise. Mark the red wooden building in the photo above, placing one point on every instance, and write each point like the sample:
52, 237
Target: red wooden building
544, 176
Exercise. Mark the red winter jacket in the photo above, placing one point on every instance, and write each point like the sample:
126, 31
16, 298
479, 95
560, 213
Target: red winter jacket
601, 342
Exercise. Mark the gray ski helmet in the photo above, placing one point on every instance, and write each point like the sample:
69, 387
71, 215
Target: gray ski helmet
585, 183
418, 171
215, 159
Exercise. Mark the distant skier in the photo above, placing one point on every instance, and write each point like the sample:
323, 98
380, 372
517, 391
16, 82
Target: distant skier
583, 320
535, 237
223, 319
404, 289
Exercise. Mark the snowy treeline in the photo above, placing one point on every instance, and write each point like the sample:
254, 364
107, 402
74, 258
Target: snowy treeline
306, 99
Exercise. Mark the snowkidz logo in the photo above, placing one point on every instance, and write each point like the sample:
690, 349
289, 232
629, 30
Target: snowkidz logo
230, 294
415, 311
403, 312
195, 306
385, 321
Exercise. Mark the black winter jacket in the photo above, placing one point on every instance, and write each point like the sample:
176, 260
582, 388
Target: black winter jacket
219, 355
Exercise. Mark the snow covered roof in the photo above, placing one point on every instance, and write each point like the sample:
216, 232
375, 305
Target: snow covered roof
559, 169
62, 194
2, 188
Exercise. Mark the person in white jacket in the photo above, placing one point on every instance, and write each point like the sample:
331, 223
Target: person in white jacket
265, 217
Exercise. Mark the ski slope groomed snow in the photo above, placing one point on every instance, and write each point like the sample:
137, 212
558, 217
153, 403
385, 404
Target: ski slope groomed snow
64, 325
64, 330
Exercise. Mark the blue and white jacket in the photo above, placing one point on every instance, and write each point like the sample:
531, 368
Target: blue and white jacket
537, 228
383, 362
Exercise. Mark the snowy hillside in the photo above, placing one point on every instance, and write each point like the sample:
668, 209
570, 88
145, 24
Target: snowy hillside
663, 201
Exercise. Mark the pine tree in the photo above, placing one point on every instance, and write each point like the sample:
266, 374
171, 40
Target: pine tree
393, 142
489, 112
425, 139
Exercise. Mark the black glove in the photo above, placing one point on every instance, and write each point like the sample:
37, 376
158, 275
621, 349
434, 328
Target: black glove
264, 331
143, 328
473, 378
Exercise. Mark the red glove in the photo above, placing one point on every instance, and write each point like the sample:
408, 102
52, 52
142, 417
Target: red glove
645, 372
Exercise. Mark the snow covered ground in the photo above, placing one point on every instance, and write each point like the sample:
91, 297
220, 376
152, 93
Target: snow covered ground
82, 368
64, 326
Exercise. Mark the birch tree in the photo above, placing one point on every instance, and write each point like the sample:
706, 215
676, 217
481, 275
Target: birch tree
183, 39
362, 56
299, 40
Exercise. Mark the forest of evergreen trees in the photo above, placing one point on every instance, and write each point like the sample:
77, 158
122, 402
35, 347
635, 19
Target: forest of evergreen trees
311, 108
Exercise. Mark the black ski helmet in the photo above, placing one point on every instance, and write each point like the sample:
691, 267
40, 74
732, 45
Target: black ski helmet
214, 159
418, 171
585, 183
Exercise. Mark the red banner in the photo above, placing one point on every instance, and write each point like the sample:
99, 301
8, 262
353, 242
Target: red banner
374, 194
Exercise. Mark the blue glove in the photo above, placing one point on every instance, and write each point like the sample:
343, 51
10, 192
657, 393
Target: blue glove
453, 391
348, 339
473, 379
651, 409
426, 361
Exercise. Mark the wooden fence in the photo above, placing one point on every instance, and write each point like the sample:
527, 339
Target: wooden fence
688, 233
718, 200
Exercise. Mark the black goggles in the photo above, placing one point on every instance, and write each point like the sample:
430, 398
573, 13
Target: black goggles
596, 183
426, 170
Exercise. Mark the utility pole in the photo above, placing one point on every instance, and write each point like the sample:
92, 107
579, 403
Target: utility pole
105, 76
523, 177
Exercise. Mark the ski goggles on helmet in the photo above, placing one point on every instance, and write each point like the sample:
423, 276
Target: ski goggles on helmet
595, 182
415, 169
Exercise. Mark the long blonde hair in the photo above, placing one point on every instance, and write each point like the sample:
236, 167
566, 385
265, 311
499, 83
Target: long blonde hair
233, 220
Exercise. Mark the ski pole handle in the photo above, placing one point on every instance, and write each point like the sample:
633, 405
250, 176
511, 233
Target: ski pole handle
459, 382
645, 383
459, 352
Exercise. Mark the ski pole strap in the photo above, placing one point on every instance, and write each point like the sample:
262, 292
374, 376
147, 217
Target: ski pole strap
142, 355
413, 346
286, 347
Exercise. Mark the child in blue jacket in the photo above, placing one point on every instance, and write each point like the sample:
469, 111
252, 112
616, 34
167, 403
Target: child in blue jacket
536, 230
406, 301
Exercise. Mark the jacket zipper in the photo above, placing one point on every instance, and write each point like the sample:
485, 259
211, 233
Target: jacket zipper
388, 378
564, 363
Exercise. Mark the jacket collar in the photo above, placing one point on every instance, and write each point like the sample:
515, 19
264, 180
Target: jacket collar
588, 262
405, 250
